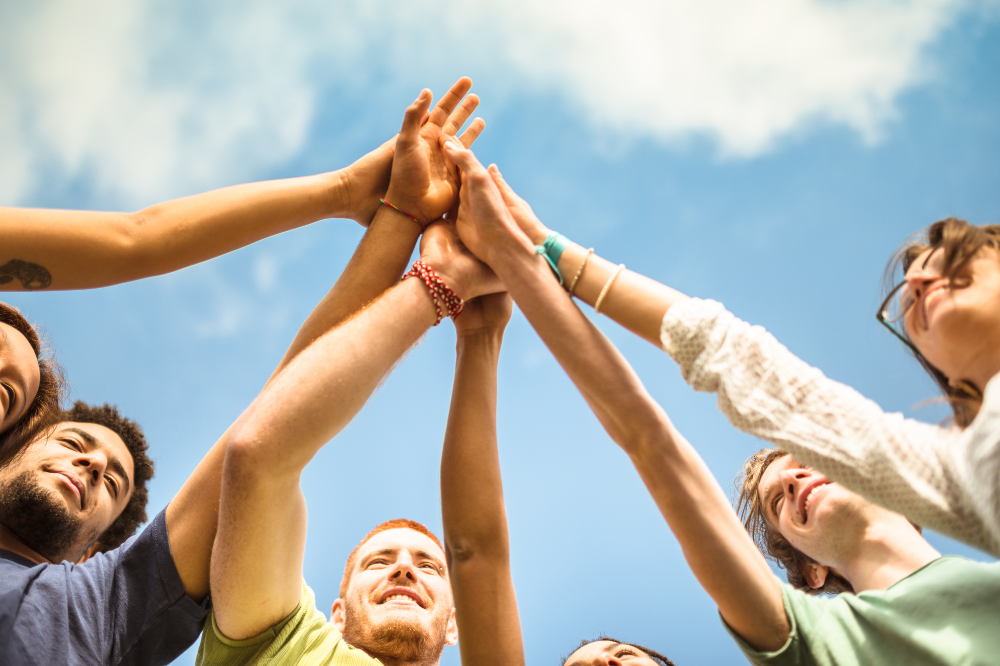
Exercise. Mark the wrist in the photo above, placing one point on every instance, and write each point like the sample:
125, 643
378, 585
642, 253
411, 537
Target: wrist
404, 205
337, 196
483, 340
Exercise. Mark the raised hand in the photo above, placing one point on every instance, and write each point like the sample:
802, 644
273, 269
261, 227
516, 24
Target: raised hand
442, 250
484, 221
423, 183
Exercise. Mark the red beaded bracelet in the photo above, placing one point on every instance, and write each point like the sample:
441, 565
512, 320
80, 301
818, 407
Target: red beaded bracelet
446, 301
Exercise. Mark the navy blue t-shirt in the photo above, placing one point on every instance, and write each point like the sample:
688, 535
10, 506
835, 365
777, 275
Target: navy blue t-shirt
126, 606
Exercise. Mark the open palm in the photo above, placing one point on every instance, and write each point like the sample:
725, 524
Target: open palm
423, 183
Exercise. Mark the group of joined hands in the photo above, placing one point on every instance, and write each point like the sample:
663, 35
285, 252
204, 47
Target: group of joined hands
470, 217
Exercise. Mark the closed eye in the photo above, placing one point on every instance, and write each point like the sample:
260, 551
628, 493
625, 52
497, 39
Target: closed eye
623, 651
11, 396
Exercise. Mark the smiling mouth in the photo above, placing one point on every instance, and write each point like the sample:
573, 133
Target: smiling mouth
809, 499
74, 485
400, 595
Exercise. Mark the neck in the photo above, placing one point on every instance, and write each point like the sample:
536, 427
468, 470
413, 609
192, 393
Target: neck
394, 661
889, 551
10, 541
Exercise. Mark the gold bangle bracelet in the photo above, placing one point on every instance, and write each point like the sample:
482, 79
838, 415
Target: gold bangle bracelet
607, 288
579, 271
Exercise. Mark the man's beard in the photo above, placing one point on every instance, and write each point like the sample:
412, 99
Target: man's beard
395, 639
41, 521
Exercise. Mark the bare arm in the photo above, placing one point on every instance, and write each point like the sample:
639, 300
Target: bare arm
718, 549
193, 515
475, 523
66, 249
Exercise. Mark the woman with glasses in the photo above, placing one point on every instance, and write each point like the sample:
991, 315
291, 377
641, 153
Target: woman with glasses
947, 309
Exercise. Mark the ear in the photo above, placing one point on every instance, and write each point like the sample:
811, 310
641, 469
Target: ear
337, 615
451, 634
94, 549
815, 574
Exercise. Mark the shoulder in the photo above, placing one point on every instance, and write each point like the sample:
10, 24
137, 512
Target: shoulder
303, 637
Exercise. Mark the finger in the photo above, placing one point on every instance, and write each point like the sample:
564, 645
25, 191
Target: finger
450, 100
461, 114
413, 116
470, 135
510, 197
459, 155
427, 116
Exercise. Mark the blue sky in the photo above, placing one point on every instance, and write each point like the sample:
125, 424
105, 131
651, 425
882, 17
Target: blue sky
770, 156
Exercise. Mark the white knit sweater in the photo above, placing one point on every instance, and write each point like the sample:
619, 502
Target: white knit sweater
945, 479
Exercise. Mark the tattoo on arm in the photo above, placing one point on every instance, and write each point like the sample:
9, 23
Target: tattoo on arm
32, 276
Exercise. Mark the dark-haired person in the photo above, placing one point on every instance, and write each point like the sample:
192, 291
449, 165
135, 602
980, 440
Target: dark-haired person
71, 599
910, 605
261, 611
947, 308
67, 249
31, 383
473, 514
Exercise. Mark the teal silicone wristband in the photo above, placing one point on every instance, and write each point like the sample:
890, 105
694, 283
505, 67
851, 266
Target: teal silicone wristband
551, 249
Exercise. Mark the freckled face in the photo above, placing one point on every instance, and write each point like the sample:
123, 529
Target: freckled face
609, 653
19, 375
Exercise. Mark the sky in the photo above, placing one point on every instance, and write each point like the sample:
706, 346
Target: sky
769, 155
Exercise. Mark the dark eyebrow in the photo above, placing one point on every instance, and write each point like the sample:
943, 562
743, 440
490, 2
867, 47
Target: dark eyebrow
116, 464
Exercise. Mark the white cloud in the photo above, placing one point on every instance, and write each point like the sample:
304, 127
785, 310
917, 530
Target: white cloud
152, 99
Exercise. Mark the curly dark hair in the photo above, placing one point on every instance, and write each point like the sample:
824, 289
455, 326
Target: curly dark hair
134, 513
770, 541
653, 654
51, 384
960, 242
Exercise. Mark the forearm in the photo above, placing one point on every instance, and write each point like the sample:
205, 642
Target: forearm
596, 367
376, 267
471, 491
86, 249
718, 549
475, 523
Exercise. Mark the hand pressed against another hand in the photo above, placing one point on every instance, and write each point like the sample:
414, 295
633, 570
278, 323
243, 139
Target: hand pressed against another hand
442, 250
423, 183
366, 180
488, 313
484, 222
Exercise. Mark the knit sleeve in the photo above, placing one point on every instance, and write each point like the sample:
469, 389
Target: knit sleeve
923, 471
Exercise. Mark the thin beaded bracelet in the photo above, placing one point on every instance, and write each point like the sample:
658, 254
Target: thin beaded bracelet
446, 301
607, 288
396, 208
579, 271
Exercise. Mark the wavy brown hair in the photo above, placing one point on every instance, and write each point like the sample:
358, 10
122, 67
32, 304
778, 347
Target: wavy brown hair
960, 242
769, 540
51, 385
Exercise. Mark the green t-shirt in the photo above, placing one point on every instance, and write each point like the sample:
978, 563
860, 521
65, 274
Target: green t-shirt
303, 638
946, 612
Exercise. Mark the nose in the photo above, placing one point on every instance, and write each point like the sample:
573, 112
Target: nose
403, 569
606, 659
791, 481
94, 464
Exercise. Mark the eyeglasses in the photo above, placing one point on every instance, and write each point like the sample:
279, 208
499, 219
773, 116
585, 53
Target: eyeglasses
897, 304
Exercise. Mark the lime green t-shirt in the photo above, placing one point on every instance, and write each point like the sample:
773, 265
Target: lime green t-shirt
946, 612
303, 638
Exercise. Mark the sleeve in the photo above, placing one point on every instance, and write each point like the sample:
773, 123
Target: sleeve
304, 630
919, 470
137, 600
795, 651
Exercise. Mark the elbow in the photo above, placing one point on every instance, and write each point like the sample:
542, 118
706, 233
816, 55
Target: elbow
247, 460
462, 551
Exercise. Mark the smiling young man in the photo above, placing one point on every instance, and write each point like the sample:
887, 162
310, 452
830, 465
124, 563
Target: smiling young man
66, 595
